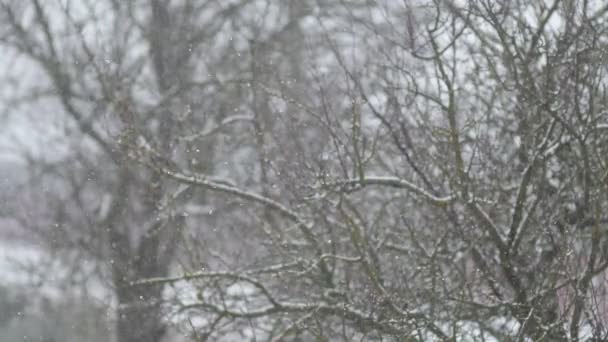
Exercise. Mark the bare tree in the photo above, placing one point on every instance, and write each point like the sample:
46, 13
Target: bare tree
430, 170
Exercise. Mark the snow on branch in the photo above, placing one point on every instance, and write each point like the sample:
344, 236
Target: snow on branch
146, 155
602, 127
395, 183
207, 182
362, 319
276, 306
244, 276
149, 157
210, 275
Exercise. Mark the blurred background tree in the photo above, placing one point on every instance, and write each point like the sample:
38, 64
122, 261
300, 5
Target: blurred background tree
276, 170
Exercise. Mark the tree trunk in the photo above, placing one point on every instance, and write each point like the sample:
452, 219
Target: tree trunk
140, 316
